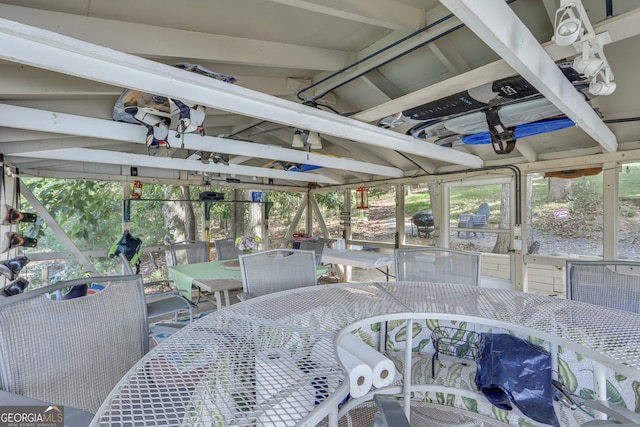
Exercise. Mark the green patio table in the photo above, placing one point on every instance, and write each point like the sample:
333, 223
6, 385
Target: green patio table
213, 277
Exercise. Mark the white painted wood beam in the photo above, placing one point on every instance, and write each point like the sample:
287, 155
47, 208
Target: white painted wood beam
25, 82
41, 48
527, 150
48, 121
501, 29
119, 35
17, 135
88, 155
454, 62
368, 61
619, 28
19, 82
381, 13
62, 141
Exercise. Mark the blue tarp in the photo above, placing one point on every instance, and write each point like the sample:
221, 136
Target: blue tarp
512, 371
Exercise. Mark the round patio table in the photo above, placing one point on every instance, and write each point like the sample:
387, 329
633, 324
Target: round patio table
271, 360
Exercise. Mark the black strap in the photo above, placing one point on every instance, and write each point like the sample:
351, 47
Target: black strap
503, 139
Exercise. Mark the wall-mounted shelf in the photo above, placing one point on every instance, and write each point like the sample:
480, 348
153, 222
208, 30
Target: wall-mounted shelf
126, 205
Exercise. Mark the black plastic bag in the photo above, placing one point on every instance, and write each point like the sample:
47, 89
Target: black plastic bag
514, 371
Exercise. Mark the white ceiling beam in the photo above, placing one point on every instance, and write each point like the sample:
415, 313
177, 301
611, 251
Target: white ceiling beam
375, 56
381, 13
16, 135
143, 40
501, 29
62, 141
48, 121
20, 82
527, 150
448, 59
88, 155
619, 28
42, 48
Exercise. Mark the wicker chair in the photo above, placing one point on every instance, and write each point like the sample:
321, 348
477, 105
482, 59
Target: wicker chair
72, 352
614, 284
439, 265
276, 270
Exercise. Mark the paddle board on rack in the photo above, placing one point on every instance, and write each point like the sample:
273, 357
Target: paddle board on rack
462, 118
292, 166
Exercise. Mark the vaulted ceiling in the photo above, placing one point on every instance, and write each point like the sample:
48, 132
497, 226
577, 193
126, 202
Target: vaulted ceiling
343, 69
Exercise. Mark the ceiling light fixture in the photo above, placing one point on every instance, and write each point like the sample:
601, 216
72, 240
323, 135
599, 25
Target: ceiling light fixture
297, 141
304, 138
572, 27
601, 84
568, 26
587, 63
314, 141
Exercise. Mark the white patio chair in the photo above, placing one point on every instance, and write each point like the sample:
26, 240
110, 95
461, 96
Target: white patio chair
276, 270
614, 284
72, 352
226, 249
440, 265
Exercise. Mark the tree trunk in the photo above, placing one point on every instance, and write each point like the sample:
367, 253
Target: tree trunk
190, 223
560, 190
502, 242
432, 197
255, 219
237, 214
179, 217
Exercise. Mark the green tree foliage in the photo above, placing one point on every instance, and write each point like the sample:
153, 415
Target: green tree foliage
330, 201
89, 212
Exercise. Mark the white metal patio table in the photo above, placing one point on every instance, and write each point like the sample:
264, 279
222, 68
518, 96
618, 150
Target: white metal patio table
271, 360
359, 259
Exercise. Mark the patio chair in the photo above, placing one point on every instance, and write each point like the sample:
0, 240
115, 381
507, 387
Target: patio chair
226, 249
161, 303
439, 265
72, 352
276, 270
614, 284
477, 220
189, 252
316, 246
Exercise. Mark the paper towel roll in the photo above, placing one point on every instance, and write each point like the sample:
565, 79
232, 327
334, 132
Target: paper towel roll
360, 374
383, 369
